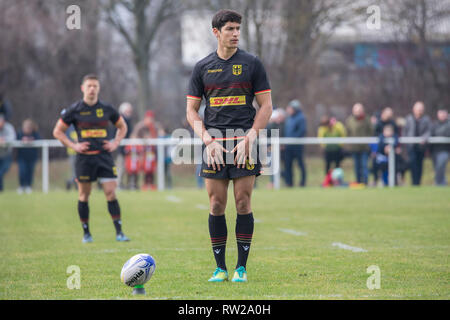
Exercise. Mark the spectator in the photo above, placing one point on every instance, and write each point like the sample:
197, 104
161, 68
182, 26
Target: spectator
440, 152
417, 125
276, 122
294, 127
133, 164
126, 111
147, 129
358, 125
27, 156
5, 108
331, 128
386, 118
383, 150
7, 134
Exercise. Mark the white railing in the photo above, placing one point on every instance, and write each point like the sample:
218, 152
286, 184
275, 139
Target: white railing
275, 143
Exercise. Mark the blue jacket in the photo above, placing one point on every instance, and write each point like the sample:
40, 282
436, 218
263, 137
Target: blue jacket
295, 125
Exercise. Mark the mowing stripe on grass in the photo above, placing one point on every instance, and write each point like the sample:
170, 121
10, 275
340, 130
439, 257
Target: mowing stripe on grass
347, 247
293, 232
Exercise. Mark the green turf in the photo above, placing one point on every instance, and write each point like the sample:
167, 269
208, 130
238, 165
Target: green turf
404, 230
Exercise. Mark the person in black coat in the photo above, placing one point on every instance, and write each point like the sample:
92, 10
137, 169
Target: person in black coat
27, 156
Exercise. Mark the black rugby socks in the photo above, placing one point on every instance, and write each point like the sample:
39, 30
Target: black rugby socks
114, 211
218, 234
244, 234
83, 212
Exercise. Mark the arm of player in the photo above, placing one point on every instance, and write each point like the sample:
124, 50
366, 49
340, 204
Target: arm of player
59, 132
214, 150
244, 148
121, 132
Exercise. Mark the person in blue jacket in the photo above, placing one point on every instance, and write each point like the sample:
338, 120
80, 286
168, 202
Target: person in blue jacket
295, 127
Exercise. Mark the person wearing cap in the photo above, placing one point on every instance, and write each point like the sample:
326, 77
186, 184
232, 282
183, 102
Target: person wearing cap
295, 127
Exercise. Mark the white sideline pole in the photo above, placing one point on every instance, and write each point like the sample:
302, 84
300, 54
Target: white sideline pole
276, 163
45, 170
391, 165
160, 166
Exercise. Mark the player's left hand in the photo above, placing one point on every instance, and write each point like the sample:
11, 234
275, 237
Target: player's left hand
110, 146
243, 151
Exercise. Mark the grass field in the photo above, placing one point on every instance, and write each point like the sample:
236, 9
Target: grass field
404, 231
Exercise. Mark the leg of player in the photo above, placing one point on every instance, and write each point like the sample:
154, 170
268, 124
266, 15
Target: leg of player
84, 190
217, 191
109, 188
243, 188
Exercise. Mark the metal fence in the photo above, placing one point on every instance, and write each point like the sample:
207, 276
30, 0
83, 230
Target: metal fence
275, 143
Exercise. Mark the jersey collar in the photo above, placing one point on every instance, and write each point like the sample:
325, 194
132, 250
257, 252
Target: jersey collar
229, 59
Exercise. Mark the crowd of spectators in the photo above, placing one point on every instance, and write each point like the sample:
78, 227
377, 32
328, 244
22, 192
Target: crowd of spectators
368, 159
136, 164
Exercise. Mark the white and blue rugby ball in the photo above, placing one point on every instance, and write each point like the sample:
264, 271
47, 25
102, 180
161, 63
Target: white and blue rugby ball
138, 270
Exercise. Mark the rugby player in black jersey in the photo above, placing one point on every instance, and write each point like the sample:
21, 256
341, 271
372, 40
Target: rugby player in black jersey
229, 79
91, 118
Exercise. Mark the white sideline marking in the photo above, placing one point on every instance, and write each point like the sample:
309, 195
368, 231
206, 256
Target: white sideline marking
257, 220
173, 199
293, 232
201, 206
347, 247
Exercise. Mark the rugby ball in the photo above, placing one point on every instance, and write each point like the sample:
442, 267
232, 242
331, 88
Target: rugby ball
138, 270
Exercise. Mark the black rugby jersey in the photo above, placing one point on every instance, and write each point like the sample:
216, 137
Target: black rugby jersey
229, 87
91, 122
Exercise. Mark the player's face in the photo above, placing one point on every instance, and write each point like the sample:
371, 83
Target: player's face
90, 89
228, 35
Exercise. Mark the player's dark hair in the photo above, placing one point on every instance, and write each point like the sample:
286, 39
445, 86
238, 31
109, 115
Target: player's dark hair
223, 16
90, 76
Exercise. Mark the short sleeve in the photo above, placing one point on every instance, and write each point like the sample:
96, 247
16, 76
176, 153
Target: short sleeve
114, 115
196, 88
67, 116
260, 81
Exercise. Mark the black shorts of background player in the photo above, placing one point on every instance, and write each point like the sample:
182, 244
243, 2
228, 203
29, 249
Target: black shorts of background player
90, 118
229, 79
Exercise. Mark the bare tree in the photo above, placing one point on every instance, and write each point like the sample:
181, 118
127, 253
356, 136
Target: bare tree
147, 17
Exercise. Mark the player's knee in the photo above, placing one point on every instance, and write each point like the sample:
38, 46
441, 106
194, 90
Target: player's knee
243, 204
217, 205
83, 196
110, 195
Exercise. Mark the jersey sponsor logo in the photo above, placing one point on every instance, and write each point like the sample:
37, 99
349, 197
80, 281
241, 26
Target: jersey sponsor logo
85, 113
214, 70
209, 171
99, 113
227, 101
93, 133
237, 69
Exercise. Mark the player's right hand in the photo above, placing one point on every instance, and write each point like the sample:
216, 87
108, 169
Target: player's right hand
81, 147
214, 153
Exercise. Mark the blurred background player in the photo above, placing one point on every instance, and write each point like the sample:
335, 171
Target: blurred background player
229, 79
90, 118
